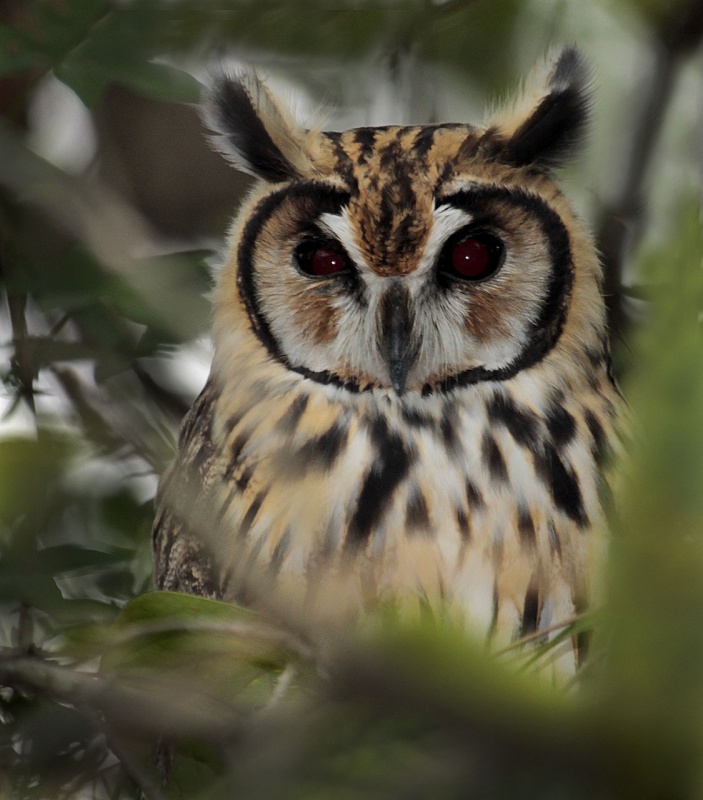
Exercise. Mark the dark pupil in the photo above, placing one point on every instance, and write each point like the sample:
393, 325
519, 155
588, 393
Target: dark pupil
471, 258
320, 260
326, 261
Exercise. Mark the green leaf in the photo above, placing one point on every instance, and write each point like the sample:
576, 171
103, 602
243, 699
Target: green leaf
87, 81
169, 295
184, 607
124, 513
73, 616
65, 558
16, 54
190, 776
160, 81
120, 49
46, 33
29, 470
228, 647
32, 590
84, 641
201, 662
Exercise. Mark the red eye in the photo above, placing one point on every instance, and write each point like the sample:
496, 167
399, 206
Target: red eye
320, 260
473, 257
470, 258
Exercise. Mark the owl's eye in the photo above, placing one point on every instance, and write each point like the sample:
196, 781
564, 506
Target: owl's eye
321, 259
472, 257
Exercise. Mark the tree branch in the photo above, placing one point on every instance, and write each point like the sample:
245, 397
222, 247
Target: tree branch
622, 222
145, 711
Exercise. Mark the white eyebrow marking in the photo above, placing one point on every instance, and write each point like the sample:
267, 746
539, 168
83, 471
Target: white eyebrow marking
339, 226
446, 220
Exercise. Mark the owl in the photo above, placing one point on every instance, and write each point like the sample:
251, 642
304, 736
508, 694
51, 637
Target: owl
410, 397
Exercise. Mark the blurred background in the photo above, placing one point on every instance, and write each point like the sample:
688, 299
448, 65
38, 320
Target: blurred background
113, 211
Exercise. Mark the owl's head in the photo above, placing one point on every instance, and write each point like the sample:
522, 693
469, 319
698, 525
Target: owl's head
416, 258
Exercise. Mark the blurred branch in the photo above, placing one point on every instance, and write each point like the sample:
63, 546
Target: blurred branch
91, 214
621, 224
87, 693
143, 712
99, 428
493, 722
103, 431
25, 629
683, 31
21, 366
134, 769
134, 706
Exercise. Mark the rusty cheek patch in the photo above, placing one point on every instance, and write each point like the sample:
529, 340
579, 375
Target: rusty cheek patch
489, 314
314, 313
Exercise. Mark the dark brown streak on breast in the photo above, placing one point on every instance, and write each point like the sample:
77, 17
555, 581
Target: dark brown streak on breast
320, 452
562, 482
417, 517
391, 465
520, 422
493, 459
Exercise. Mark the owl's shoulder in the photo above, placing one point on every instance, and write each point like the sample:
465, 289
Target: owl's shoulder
181, 558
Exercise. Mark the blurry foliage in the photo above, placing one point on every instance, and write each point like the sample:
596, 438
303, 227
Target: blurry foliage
230, 704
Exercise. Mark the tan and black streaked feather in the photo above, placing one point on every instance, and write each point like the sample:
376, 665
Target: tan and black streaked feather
394, 434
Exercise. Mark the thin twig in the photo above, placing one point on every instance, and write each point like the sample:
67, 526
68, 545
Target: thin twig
531, 637
283, 684
21, 365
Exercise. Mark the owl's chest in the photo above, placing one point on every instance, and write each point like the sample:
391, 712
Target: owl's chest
389, 500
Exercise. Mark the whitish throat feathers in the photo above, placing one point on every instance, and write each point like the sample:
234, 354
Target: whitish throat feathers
410, 401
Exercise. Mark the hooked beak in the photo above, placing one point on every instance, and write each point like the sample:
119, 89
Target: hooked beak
397, 346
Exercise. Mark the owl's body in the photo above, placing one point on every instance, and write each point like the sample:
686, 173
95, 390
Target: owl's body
410, 395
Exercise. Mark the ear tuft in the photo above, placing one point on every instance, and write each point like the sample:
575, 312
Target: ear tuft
549, 121
250, 128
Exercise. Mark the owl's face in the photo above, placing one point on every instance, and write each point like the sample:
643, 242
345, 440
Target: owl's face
410, 258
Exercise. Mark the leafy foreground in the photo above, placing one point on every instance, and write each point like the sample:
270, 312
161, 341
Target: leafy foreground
229, 705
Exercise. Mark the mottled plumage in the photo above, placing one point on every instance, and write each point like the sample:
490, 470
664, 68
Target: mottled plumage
389, 419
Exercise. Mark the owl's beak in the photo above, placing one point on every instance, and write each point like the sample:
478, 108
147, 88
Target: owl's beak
396, 328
